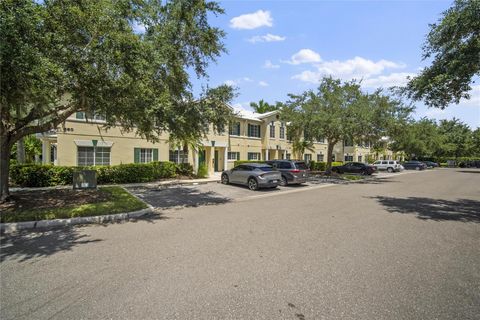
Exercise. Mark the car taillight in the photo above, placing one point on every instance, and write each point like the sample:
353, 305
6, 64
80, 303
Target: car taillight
295, 171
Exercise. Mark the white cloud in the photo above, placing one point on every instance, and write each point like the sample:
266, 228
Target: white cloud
266, 38
269, 65
232, 83
254, 20
138, 27
357, 68
263, 84
391, 80
304, 56
474, 100
247, 79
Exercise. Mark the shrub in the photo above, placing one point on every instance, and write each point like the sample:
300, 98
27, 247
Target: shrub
47, 175
184, 169
202, 171
318, 166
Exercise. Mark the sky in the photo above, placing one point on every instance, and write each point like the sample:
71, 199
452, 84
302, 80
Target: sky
281, 47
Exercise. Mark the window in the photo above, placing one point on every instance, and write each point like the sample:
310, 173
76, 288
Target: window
254, 130
359, 159
321, 140
178, 156
320, 157
253, 156
146, 155
272, 129
284, 165
96, 116
348, 143
348, 158
307, 157
234, 156
288, 156
93, 156
234, 129
282, 131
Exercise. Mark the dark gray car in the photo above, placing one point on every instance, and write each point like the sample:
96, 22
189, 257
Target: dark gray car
253, 175
293, 172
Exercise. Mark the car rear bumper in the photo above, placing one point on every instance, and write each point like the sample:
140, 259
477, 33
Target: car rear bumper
268, 184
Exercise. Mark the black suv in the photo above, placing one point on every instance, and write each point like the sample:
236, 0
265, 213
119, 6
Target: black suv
293, 171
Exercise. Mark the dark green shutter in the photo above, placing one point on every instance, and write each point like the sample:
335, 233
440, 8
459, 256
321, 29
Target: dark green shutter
155, 154
136, 155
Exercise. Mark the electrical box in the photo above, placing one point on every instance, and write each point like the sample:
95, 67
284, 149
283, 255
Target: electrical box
85, 179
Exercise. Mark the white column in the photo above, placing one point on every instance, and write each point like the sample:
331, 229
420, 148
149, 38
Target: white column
266, 154
225, 158
45, 151
195, 160
285, 154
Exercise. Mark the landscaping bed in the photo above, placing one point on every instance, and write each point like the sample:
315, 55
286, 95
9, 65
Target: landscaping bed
67, 203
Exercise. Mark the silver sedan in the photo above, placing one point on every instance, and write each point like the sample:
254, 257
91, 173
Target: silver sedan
253, 175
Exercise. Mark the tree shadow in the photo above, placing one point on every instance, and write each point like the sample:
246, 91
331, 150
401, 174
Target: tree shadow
463, 210
165, 198
469, 171
27, 245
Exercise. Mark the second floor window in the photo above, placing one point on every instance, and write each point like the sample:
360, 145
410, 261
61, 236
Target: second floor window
254, 130
320, 157
282, 131
272, 129
234, 129
348, 143
348, 158
321, 140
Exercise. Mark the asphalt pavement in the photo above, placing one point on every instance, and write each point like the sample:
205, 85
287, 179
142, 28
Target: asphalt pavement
405, 247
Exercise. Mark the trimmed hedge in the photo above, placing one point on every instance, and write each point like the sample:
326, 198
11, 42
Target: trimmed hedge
184, 169
35, 175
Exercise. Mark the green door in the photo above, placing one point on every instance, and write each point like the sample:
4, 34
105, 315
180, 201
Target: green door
201, 157
215, 163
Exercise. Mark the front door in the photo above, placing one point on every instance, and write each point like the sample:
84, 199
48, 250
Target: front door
201, 157
215, 161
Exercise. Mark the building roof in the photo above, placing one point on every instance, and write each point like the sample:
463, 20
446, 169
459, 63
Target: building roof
250, 115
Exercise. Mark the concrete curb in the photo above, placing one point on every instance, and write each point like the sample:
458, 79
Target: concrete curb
45, 224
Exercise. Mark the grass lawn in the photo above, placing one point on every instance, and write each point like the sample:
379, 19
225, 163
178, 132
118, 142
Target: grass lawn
68, 203
353, 177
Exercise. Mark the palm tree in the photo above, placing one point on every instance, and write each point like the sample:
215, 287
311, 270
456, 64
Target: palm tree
263, 107
299, 147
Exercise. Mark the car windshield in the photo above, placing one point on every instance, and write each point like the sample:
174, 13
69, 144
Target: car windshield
265, 169
301, 165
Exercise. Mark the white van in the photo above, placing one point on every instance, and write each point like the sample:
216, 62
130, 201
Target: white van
389, 165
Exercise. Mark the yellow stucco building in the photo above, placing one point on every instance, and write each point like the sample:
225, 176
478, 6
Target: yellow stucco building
251, 137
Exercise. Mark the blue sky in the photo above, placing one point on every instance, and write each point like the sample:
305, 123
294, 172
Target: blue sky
280, 47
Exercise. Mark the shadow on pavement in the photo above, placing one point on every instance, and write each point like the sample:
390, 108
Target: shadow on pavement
463, 210
469, 171
27, 245
164, 198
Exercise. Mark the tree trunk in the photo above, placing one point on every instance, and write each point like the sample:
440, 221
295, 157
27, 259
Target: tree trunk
328, 169
21, 151
5, 150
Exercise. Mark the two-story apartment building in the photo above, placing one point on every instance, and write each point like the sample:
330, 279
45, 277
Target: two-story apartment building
251, 136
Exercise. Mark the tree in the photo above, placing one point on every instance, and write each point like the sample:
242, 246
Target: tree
299, 147
32, 147
339, 111
454, 45
476, 142
263, 107
61, 57
456, 138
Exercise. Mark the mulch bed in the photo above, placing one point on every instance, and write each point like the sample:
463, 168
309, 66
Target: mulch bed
40, 199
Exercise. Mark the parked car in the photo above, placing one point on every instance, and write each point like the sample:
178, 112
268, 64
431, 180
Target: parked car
414, 165
431, 164
355, 167
389, 165
253, 175
293, 172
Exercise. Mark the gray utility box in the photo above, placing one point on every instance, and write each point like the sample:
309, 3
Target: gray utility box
85, 179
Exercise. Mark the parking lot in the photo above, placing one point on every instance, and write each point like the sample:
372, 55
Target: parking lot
213, 193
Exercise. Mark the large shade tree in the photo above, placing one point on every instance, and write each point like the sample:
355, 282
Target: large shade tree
126, 59
339, 111
453, 44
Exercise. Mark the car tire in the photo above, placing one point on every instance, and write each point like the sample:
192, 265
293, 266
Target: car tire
225, 179
390, 170
252, 184
283, 181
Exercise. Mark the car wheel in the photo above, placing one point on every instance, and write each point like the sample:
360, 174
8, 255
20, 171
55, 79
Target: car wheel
252, 184
225, 179
390, 170
417, 168
283, 181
